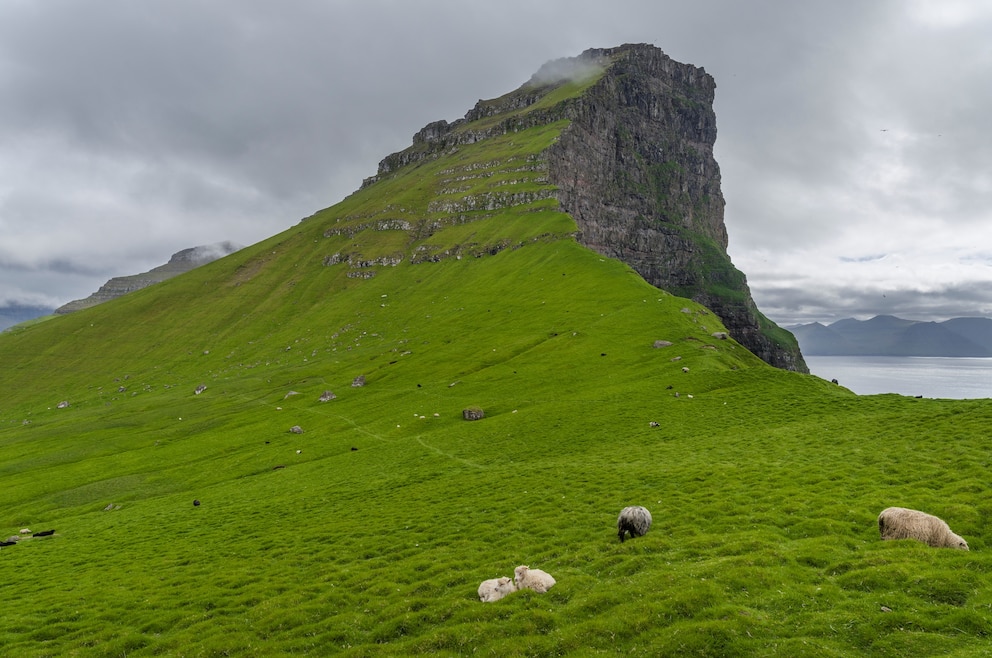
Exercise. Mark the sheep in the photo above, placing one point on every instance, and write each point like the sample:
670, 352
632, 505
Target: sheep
902, 523
635, 519
535, 579
495, 588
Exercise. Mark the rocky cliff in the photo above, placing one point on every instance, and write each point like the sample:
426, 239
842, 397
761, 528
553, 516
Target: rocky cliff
634, 166
181, 261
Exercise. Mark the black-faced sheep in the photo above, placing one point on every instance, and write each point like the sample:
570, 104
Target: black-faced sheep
535, 579
902, 523
496, 588
635, 519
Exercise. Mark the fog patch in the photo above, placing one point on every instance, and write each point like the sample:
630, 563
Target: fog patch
569, 69
210, 252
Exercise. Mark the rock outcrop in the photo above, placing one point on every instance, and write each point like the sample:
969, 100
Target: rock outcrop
181, 261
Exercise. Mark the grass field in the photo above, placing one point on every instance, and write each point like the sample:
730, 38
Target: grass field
368, 533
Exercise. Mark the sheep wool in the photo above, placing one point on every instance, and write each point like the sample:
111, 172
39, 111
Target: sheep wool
495, 588
535, 579
902, 523
635, 519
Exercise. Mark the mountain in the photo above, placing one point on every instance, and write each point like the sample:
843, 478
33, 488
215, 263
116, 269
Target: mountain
886, 335
633, 167
17, 313
181, 261
271, 454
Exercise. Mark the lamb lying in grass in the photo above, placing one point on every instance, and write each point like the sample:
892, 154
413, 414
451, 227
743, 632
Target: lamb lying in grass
902, 523
535, 579
495, 588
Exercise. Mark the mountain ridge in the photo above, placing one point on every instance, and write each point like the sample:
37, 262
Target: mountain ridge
887, 335
180, 262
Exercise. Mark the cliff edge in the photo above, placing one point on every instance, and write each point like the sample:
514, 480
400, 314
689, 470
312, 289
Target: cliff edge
633, 165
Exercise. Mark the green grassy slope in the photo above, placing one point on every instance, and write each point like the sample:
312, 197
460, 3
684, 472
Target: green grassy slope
369, 533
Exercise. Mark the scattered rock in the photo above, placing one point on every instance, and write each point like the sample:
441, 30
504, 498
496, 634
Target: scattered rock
358, 382
326, 396
720, 335
662, 343
473, 413
296, 429
200, 389
289, 394
63, 404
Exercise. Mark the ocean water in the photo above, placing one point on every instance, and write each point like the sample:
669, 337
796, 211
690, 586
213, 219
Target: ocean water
929, 376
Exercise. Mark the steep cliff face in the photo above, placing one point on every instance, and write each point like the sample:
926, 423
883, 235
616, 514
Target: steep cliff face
635, 168
633, 165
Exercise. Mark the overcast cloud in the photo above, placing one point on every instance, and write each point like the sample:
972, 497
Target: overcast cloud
853, 136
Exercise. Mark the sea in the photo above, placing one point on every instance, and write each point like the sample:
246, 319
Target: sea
926, 376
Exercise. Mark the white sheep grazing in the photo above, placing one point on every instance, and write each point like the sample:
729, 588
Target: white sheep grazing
902, 523
635, 519
495, 588
535, 579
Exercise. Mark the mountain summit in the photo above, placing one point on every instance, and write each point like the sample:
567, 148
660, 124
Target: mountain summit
633, 165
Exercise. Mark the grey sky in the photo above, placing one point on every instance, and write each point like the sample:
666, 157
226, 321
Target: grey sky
853, 136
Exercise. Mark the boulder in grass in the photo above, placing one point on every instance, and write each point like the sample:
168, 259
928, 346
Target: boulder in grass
473, 413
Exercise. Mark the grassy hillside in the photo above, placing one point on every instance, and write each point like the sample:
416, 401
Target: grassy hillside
368, 534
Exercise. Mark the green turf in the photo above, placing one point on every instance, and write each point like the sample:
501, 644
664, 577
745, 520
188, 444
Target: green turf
368, 534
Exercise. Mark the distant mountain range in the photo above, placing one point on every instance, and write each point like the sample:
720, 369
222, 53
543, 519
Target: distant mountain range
18, 313
886, 335
181, 261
